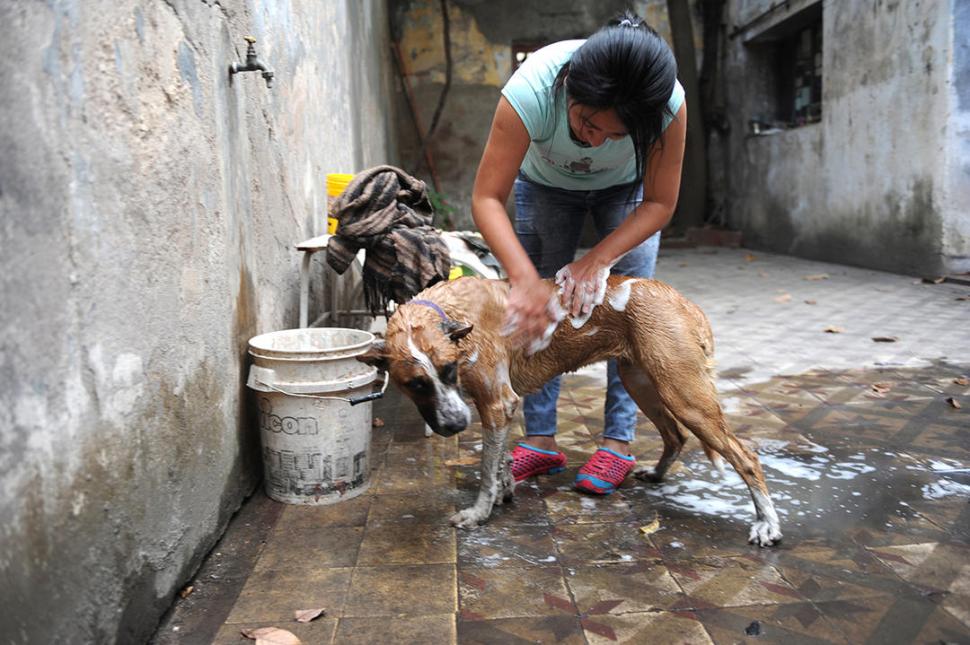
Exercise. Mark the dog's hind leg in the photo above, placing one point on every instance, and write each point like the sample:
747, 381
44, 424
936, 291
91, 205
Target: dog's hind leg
695, 405
641, 389
497, 483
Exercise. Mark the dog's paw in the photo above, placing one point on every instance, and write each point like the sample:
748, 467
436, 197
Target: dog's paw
468, 518
764, 534
648, 475
427, 430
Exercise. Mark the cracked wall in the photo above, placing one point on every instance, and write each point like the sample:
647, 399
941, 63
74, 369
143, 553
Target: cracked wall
149, 209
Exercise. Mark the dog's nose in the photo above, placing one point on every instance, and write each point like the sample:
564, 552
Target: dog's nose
450, 429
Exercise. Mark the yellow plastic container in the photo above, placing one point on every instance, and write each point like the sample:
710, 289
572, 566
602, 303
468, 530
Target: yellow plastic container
336, 184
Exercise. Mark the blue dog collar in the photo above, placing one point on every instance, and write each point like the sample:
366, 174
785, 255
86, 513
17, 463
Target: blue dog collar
428, 303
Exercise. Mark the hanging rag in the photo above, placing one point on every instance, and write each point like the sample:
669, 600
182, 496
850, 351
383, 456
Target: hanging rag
387, 212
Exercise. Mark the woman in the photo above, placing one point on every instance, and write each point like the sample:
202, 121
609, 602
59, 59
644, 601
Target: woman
598, 127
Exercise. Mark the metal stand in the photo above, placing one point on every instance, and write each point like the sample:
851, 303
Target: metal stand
331, 309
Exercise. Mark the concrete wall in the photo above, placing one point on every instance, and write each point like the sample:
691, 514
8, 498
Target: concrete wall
482, 34
879, 181
956, 199
148, 212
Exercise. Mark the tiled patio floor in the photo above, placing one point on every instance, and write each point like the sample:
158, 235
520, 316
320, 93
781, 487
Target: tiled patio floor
868, 463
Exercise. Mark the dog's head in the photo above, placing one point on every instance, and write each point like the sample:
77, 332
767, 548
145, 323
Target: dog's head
421, 354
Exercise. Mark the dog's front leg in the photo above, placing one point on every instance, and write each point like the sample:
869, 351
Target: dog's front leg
496, 479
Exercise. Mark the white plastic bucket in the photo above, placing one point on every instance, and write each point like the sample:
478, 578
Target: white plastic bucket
314, 412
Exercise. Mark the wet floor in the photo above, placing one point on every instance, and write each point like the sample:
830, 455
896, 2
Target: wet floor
870, 471
869, 468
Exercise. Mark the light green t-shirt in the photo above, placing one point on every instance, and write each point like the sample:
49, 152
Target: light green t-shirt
553, 159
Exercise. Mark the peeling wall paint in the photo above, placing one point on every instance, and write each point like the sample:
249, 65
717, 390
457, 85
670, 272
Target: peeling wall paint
148, 211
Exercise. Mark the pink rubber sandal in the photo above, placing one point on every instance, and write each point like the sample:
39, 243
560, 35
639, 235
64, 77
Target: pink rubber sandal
528, 461
604, 472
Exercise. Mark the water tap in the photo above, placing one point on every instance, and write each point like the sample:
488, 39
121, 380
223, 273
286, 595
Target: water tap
253, 64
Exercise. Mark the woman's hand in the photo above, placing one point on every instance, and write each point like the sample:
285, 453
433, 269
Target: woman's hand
583, 284
531, 313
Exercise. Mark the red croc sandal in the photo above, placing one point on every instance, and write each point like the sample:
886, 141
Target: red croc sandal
604, 472
528, 461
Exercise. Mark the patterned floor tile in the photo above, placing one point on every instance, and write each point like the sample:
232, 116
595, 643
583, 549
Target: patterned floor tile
507, 546
603, 543
868, 465
790, 624
622, 588
940, 572
572, 507
893, 620
825, 575
731, 582
513, 592
688, 536
651, 627
562, 630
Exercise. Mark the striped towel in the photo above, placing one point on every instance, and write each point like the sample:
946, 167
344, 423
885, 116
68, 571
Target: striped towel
387, 211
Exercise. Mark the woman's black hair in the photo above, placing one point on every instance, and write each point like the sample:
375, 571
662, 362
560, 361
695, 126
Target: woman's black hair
628, 67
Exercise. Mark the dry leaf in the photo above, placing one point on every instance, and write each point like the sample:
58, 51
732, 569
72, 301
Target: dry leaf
306, 615
810, 302
464, 461
683, 264
378, 422
816, 276
962, 380
952, 401
185, 593
783, 298
962, 298
832, 329
652, 527
935, 280
749, 258
271, 636
881, 388
884, 339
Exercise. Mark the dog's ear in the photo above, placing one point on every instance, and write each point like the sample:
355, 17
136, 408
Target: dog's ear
376, 355
457, 330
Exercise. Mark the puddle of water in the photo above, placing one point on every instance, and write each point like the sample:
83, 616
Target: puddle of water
945, 488
808, 480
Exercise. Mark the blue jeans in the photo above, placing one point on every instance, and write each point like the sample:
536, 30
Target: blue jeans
549, 222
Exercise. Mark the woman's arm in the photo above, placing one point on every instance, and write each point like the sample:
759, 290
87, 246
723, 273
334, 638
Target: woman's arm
506, 147
661, 186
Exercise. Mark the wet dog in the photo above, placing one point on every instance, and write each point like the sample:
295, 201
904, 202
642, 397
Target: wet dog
446, 344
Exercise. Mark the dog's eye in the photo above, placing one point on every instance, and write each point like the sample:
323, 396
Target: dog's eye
418, 385
449, 374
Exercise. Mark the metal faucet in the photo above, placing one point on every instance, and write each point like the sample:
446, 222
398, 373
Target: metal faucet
253, 64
